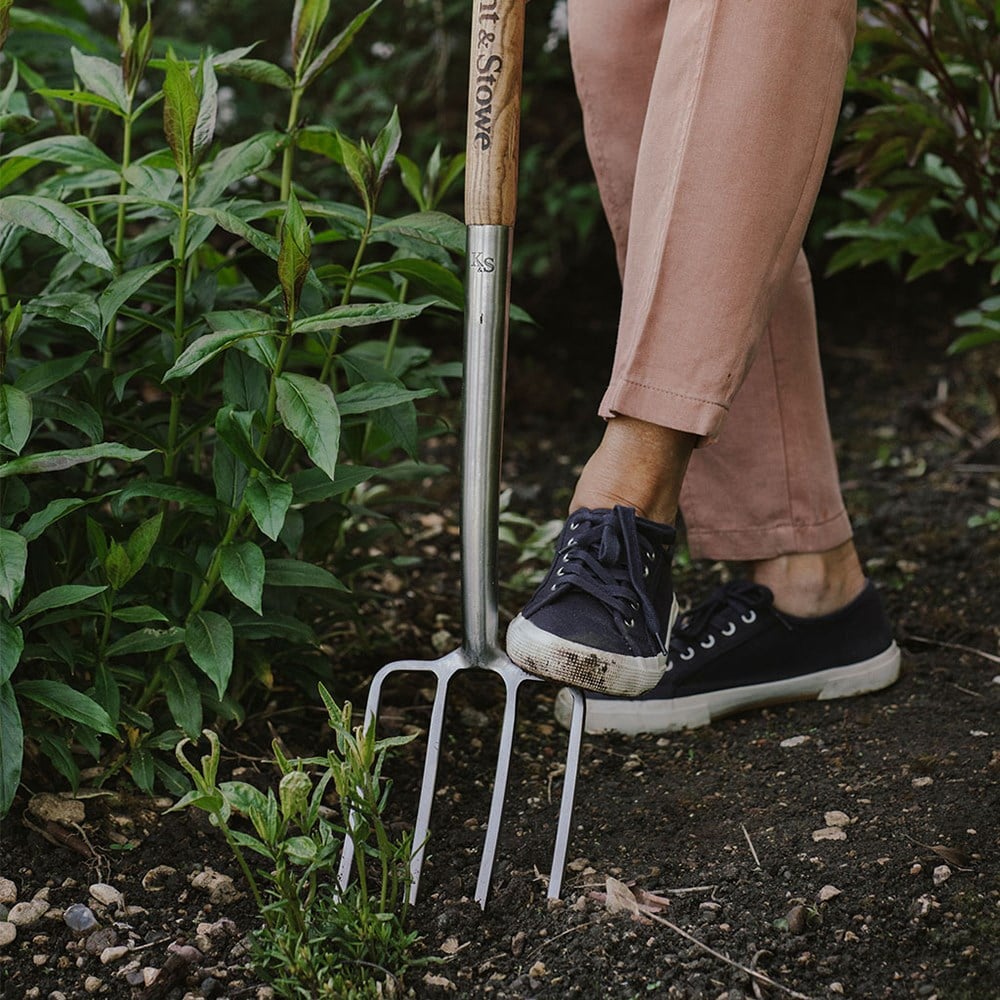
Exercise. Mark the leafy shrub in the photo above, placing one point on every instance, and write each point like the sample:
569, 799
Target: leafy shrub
316, 938
926, 152
191, 393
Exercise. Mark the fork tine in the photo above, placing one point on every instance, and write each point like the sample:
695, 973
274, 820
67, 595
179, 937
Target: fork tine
504, 753
568, 793
428, 783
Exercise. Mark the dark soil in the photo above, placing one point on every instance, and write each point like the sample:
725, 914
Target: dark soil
719, 822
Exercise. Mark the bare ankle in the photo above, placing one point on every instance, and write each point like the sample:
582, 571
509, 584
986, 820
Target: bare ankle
637, 464
809, 584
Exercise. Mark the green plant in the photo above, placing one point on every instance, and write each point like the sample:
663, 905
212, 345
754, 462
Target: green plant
318, 939
200, 362
926, 151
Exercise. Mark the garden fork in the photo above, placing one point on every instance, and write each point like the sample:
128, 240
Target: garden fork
490, 200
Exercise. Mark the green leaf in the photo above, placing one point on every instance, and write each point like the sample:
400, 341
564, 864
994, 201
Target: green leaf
73, 412
309, 410
56, 461
54, 511
361, 170
138, 614
438, 279
231, 223
61, 758
314, 486
146, 640
122, 289
208, 111
180, 113
185, 496
243, 573
11, 647
293, 258
307, 23
101, 77
183, 699
370, 396
295, 573
434, 228
68, 703
107, 694
268, 500
65, 150
5, 6
80, 97
252, 156
235, 428
15, 418
258, 71
242, 797
58, 597
11, 747
58, 222
207, 347
117, 566
209, 641
13, 562
73, 309
358, 314
142, 540
385, 147
244, 383
49, 373
140, 763
338, 46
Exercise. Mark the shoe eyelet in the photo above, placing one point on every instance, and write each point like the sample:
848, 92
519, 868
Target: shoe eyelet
574, 525
565, 558
571, 543
555, 586
560, 572
645, 571
648, 555
633, 605
689, 654
629, 622
669, 667
750, 617
729, 628
709, 643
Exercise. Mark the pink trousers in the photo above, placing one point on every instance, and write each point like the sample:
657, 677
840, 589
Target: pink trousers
709, 124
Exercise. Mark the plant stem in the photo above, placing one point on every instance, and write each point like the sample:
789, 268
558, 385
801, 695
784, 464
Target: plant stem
4, 298
288, 158
109, 336
180, 281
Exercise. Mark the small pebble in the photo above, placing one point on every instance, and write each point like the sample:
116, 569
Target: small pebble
827, 893
517, 944
26, 914
220, 888
8, 932
106, 895
916, 868
8, 892
794, 741
80, 918
153, 880
115, 954
922, 782
941, 874
829, 833
92, 984
796, 919
39, 960
836, 818
100, 940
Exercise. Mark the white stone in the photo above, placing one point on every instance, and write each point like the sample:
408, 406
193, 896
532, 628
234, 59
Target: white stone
794, 741
922, 782
26, 914
106, 895
827, 893
114, 954
8, 932
92, 984
220, 888
941, 874
8, 892
829, 833
836, 818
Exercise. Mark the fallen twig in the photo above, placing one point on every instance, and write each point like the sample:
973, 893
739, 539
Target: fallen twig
759, 977
956, 645
753, 850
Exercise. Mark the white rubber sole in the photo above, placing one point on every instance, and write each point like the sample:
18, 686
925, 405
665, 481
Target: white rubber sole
557, 659
671, 715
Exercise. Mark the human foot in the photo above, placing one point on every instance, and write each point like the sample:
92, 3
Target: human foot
737, 651
601, 618
811, 584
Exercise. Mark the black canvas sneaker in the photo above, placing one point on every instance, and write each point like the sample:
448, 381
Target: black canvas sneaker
737, 651
601, 618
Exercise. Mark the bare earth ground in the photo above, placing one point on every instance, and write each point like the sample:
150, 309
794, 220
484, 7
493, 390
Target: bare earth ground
720, 824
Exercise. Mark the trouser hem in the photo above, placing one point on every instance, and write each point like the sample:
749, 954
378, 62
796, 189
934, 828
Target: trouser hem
749, 544
664, 407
